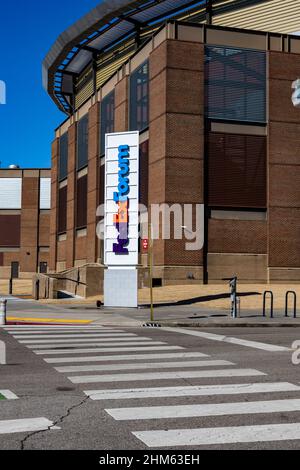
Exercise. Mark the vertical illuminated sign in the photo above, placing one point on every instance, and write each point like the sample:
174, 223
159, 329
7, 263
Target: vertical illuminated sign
121, 199
121, 222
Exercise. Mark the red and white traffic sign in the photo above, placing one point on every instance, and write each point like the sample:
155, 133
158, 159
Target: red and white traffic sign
145, 244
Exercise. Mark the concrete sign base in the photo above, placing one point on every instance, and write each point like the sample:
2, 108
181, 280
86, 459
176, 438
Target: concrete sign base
121, 287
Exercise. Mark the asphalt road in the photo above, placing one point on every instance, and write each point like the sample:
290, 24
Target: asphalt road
262, 415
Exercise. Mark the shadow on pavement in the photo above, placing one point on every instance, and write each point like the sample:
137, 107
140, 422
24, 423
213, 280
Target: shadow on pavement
195, 300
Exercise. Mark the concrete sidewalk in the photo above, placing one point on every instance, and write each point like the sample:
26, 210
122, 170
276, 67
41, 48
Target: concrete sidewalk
19, 310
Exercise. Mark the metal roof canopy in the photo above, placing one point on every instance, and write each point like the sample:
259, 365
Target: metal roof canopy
108, 23
103, 27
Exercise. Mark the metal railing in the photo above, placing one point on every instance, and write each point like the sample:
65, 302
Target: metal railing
268, 292
287, 295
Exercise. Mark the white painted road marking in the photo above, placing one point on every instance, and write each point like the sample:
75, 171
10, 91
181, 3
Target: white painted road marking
97, 350
226, 339
8, 395
44, 329
87, 335
98, 343
226, 435
83, 340
197, 390
213, 409
125, 357
41, 329
25, 425
165, 375
145, 365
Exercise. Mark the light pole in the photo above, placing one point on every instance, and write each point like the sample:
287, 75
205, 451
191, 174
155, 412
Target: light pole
150, 263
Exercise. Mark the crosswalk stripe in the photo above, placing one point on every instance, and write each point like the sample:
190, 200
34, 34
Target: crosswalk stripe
24, 425
71, 336
212, 409
145, 365
124, 357
98, 343
197, 390
82, 340
107, 349
8, 395
226, 339
224, 435
165, 375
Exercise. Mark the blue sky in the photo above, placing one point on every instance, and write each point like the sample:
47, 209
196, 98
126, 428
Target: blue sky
27, 31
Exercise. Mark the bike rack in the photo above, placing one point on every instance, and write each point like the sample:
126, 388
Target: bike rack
293, 293
272, 303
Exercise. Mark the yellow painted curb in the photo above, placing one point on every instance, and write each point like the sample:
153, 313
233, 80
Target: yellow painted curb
49, 320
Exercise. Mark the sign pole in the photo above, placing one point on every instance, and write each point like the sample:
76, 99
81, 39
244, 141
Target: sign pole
150, 256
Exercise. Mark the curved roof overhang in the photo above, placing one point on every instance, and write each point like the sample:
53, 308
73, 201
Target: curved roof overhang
110, 23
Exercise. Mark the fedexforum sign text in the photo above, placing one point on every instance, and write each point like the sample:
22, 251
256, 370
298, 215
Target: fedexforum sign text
121, 198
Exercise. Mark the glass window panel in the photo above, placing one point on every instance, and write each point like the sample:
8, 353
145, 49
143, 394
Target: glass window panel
63, 157
107, 121
139, 98
235, 84
82, 142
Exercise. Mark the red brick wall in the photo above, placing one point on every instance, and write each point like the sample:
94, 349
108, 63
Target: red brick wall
284, 162
29, 224
71, 196
237, 236
176, 136
54, 204
93, 178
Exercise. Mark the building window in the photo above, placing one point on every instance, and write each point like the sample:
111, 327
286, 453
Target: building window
139, 98
107, 121
235, 82
62, 210
63, 157
81, 210
82, 142
237, 171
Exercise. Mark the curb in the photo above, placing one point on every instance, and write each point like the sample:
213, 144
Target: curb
229, 325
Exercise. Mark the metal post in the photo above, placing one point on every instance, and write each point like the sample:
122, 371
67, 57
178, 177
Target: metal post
37, 290
10, 288
233, 283
150, 261
272, 303
238, 306
293, 293
3, 304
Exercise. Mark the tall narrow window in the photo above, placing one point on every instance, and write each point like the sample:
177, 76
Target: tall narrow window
81, 212
62, 210
139, 98
107, 122
82, 142
63, 157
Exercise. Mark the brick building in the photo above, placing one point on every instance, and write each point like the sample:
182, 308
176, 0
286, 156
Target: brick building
24, 222
217, 126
